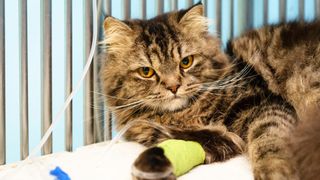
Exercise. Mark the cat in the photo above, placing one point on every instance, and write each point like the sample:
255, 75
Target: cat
170, 76
305, 143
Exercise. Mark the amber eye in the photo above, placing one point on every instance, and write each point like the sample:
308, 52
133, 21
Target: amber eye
186, 62
146, 72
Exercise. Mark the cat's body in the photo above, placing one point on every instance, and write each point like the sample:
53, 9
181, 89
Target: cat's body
245, 101
287, 57
305, 144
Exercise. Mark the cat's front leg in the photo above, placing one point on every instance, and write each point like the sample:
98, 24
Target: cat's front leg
148, 133
151, 163
267, 144
217, 142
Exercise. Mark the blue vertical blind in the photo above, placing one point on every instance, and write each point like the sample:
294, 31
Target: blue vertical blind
236, 16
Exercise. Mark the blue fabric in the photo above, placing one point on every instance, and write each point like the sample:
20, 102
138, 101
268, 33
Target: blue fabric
59, 174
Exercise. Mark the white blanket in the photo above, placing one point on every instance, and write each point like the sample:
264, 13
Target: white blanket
97, 162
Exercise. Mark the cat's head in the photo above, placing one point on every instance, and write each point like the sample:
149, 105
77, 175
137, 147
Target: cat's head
161, 63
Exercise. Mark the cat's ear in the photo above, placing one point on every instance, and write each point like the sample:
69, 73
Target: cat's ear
117, 34
193, 19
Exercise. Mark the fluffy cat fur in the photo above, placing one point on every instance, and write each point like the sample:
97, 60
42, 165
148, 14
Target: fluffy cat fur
305, 143
245, 100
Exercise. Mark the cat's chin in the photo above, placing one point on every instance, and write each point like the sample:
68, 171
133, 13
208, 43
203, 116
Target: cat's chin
175, 104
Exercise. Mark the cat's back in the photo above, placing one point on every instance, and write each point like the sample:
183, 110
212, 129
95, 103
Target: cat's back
282, 38
296, 34
287, 56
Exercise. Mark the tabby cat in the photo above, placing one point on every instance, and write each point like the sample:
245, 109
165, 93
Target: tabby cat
171, 72
305, 143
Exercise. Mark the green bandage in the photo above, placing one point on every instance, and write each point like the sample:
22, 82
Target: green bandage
183, 155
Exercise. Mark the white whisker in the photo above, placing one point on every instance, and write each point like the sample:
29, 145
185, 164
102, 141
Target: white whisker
126, 105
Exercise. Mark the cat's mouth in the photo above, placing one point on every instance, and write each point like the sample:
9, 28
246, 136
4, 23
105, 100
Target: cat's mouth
175, 97
174, 103
178, 102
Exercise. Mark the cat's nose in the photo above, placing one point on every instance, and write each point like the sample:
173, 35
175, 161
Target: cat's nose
173, 88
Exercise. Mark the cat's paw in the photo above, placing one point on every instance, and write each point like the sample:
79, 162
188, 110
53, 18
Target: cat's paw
274, 169
152, 164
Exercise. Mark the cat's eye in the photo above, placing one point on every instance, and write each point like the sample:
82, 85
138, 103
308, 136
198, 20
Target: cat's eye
186, 62
146, 72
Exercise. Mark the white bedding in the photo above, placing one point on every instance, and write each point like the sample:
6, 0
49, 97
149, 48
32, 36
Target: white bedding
96, 162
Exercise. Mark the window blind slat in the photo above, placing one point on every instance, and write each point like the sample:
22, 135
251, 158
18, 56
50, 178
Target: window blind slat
46, 50
2, 85
24, 124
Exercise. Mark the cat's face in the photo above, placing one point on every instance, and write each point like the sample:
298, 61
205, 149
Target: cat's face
162, 63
